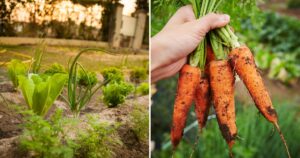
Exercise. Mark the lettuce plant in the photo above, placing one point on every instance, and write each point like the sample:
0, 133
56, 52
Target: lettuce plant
116, 93
55, 68
142, 89
87, 79
40, 93
137, 75
112, 74
16, 68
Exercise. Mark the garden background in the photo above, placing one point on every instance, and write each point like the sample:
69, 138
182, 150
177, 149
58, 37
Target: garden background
271, 29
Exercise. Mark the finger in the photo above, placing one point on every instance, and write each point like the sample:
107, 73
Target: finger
167, 71
210, 22
183, 15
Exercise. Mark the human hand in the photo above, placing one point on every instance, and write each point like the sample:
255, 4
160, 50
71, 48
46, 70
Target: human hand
180, 36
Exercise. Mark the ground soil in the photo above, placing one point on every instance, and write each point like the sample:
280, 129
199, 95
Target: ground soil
9, 122
137, 148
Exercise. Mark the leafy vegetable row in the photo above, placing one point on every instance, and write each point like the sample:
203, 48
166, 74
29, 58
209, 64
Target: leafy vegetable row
40, 90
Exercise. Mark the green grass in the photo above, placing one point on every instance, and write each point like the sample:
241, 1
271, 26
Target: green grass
62, 54
257, 137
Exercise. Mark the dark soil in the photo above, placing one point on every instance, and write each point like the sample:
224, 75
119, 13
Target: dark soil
133, 147
9, 122
7, 87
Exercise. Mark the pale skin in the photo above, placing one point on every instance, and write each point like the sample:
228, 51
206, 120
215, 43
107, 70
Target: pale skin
179, 37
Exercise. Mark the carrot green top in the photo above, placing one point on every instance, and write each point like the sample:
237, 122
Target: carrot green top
201, 8
221, 39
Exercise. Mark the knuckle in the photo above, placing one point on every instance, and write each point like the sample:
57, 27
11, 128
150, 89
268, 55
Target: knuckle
211, 14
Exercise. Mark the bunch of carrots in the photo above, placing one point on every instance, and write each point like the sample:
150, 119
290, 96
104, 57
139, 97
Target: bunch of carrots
209, 78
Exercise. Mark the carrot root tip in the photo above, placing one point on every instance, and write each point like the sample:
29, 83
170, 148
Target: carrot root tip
282, 139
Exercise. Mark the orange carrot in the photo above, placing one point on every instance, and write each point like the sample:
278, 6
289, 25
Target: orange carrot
210, 54
243, 63
202, 96
189, 77
202, 101
222, 87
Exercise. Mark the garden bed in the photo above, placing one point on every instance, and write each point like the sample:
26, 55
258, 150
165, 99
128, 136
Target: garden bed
10, 122
122, 125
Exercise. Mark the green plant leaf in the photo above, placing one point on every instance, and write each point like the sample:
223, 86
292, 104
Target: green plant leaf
55, 68
38, 55
15, 68
138, 74
27, 85
40, 93
56, 82
116, 93
40, 97
78, 100
113, 74
87, 78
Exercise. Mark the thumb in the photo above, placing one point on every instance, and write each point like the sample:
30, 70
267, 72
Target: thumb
211, 21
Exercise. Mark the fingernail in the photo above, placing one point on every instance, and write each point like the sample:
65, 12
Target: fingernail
225, 18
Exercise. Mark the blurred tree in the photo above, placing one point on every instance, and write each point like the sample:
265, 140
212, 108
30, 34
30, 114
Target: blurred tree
107, 18
107, 15
41, 9
45, 8
6, 8
142, 4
